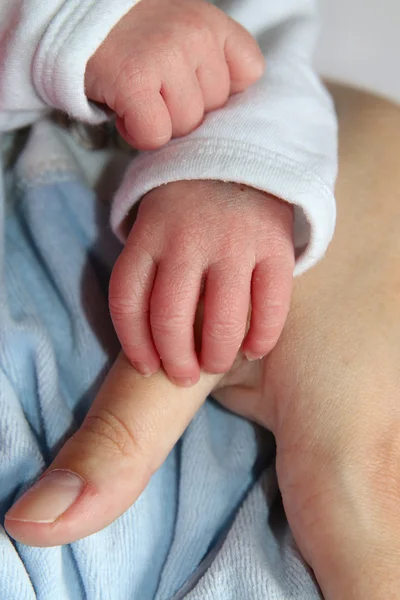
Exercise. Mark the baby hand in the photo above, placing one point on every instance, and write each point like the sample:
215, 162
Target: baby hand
166, 63
234, 241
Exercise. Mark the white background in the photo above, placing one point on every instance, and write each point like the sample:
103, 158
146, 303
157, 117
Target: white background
360, 44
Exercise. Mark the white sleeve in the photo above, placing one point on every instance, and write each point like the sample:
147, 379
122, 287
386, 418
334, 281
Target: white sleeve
279, 136
44, 48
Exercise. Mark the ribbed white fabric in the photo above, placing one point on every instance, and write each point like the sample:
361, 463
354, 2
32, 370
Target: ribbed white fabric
44, 50
279, 136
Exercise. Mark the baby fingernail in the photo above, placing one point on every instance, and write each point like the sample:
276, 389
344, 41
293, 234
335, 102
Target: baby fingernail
182, 381
49, 498
251, 356
143, 368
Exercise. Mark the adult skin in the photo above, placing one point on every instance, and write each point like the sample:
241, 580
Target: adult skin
329, 392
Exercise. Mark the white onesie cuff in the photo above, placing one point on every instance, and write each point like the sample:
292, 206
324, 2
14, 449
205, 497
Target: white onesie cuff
234, 161
72, 37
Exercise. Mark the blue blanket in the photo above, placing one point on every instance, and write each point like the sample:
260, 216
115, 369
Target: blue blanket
210, 524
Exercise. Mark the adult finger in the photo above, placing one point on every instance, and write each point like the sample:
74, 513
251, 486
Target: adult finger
99, 473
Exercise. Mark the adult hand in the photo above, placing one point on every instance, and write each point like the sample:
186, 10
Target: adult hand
328, 392
330, 389
132, 425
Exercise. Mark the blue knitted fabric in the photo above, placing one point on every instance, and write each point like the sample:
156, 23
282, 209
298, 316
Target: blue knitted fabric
208, 526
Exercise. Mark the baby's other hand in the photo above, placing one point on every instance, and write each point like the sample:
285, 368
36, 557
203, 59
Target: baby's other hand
233, 243
166, 63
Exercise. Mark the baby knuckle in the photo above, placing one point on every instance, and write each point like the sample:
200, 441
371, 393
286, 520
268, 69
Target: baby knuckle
171, 54
122, 307
277, 242
200, 35
226, 332
135, 78
166, 324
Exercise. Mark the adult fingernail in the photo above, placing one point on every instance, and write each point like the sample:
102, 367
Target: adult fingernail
143, 368
49, 498
182, 381
251, 356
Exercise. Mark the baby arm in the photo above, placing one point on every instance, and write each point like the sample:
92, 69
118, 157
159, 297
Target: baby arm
279, 139
166, 63
191, 50
228, 241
